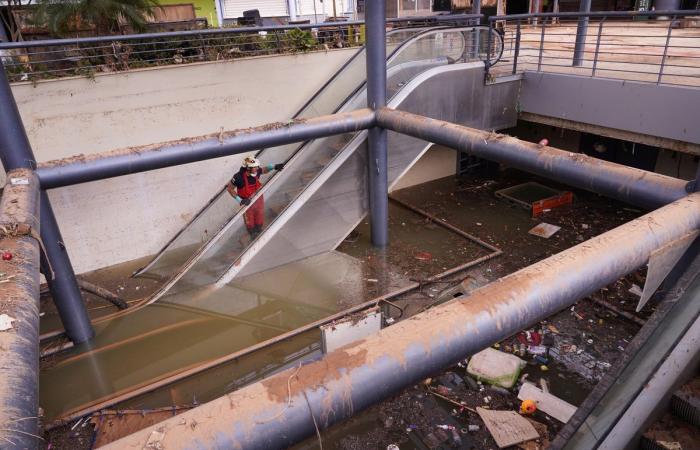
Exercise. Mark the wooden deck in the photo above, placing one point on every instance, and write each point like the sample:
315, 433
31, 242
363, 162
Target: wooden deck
627, 50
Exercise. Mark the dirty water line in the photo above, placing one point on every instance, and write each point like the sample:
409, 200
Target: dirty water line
495, 252
175, 376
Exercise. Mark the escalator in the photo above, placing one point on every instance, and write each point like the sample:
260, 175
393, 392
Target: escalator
186, 265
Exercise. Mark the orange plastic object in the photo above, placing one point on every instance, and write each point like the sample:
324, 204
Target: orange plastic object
539, 206
528, 407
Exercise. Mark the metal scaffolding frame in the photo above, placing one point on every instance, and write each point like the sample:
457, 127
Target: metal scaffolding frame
276, 412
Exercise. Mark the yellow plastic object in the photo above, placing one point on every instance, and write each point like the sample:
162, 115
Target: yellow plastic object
528, 407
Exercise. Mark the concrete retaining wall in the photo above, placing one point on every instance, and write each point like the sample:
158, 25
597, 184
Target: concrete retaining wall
112, 221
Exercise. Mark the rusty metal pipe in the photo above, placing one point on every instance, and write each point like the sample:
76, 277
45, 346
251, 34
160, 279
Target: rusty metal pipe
635, 186
116, 163
274, 413
19, 300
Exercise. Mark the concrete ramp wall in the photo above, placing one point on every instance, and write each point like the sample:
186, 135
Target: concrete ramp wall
121, 219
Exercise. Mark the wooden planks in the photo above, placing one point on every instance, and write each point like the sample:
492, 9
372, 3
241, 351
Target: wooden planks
547, 403
507, 427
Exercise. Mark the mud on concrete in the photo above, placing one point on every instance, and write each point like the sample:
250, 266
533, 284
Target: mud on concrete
584, 340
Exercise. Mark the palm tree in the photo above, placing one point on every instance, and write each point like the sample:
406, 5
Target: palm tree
61, 16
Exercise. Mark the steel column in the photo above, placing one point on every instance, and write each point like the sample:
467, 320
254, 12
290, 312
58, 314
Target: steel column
150, 157
581, 30
277, 412
19, 360
476, 7
16, 152
639, 187
377, 154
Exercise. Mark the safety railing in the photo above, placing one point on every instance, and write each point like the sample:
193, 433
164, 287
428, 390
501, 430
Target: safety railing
55, 58
661, 47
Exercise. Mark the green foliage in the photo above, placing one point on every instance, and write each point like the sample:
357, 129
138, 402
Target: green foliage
62, 16
300, 40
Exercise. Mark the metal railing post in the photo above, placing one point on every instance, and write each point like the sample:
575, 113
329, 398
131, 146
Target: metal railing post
487, 62
517, 47
663, 58
597, 46
377, 161
16, 153
581, 31
539, 58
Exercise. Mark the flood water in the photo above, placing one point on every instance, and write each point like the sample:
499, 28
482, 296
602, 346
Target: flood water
182, 331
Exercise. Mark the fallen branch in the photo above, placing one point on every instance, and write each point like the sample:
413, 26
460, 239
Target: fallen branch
102, 292
452, 401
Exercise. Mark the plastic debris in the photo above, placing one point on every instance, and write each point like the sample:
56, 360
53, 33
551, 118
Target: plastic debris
528, 407
636, 290
544, 230
6, 322
6, 256
547, 403
495, 367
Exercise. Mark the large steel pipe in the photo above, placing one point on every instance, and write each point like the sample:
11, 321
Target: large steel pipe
639, 187
149, 157
19, 305
276, 412
16, 152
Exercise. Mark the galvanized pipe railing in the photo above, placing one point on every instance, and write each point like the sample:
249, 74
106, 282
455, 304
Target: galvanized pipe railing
636, 186
156, 156
19, 311
285, 408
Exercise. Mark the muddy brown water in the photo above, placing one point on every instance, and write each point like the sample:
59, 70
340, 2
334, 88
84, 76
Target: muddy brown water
190, 328
203, 325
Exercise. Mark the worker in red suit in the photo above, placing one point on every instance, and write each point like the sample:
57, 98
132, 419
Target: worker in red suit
243, 186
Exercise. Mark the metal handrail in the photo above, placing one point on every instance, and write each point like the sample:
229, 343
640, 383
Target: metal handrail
222, 31
549, 51
576, 15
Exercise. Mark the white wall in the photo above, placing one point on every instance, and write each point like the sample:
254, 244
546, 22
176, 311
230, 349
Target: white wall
436, 162
121, 219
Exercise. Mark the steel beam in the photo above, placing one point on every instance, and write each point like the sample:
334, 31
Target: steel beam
377, 158
19, 359
277, 412
139, 159
639, 187
16, 152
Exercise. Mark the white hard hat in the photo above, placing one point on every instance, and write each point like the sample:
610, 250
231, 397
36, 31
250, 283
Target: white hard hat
251, 161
